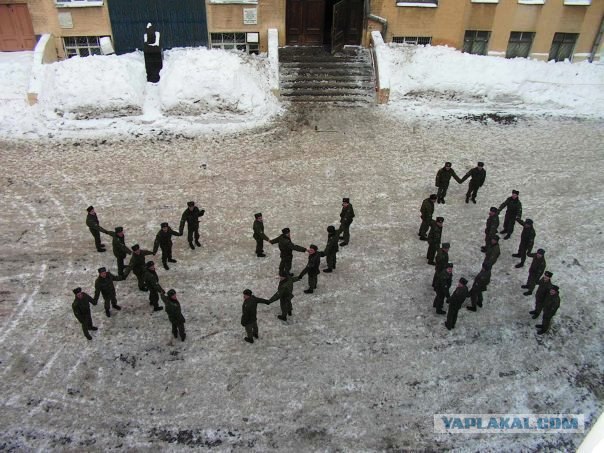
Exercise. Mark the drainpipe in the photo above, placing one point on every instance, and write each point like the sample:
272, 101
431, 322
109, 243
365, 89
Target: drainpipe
597, 41
381, 21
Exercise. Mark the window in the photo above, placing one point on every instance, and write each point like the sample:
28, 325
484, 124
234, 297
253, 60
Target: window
82, 46
476, 42
519, 44
77, 3
416, 40
245, 42
563, 46
420, 3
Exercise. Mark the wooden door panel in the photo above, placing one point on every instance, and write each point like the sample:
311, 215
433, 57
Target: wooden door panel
339, 25
355, 23
305, 22
16, 30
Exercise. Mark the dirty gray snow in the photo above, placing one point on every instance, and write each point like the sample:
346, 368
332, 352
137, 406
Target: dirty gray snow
364, 363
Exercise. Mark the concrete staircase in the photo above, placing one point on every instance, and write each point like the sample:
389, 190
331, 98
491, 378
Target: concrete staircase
310, 74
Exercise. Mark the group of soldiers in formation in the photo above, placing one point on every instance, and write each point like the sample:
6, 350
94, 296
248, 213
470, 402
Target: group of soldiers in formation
145, 273
285, 288
148, 280
547, 297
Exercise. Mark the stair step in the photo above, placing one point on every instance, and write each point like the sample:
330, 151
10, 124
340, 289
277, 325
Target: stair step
324, 64
318, 85
333, 72
366, 79
326, 92
324, 59
350, 100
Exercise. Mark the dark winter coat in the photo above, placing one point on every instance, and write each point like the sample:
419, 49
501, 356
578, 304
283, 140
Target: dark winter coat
92, 222
443, 283
258, 228
527, 237
191, 217
458, 297
492, 254
163, 238
172, 307
477, 176
442, 259
312, 268
514, 207
81, 308
286, 246
346, 215
427, 209
492, 226
248, 309
105, 285
542, 290
443, 177
285, 290
151, 280
332, 246
137, 261
482, 280
551, 305
435, 234
537, 267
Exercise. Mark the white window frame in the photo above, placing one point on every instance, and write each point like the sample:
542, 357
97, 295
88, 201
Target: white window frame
250, 40
412, 40
88, 46
531, 2
418, 3
78, 3
577, 2
485, 1
233, 2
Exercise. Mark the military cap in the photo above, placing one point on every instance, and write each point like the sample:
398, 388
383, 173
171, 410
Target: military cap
540, 251
515, 192
449, 265
164, 224
448, 164
150, 264
493, 209
285, 231
171, 293
463, 281
345, 200
190, 203
331, 229
555, 288
528, 221
135, 247
314, 247
548, 274
433, 196
102, 269
89, 208
247, 292
481, 164
119, 229
78, 290
440, 219
258, 214
446, 245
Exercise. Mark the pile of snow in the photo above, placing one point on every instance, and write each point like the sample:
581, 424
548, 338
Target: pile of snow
420, 72
96, 86
198, 81
15, 68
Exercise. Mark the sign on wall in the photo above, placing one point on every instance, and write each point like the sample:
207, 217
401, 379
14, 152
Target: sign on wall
250, 16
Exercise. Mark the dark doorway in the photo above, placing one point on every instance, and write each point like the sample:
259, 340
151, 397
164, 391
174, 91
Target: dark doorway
328, 23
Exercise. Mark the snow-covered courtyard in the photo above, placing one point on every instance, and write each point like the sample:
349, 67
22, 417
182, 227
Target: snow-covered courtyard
364, 363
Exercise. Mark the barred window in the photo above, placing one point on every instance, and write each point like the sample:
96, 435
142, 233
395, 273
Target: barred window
519, 44
563, 46
235, 41
82, 46
416, 40
476, 42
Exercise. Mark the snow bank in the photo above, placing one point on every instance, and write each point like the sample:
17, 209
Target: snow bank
95, 86
197, 80
420, 71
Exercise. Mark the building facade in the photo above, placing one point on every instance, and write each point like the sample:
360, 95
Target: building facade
539, 29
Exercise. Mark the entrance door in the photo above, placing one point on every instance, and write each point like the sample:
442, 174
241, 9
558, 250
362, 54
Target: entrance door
16, 30
339, 25
304, 22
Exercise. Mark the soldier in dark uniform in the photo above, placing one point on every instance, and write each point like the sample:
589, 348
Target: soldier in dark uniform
163, 240
513, 211
527, 239
481, 281
286, 247
248, 315
493, 252
434, 236
81, 310
455, 302
137, 265
441, 286
331, 249
191, 216
443, 177
535, 272
312, 268
426, 212
285, 294
478, 175
545, 285
550, 307
120, 250
174, 314
259, 235
442, 259
104, 285
92, 222
346, 218
491, 228
151, 280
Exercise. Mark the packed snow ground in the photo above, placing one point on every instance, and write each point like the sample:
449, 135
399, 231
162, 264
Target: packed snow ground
364, 363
